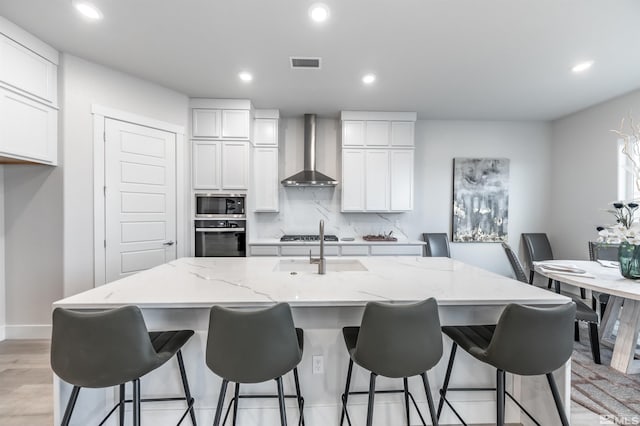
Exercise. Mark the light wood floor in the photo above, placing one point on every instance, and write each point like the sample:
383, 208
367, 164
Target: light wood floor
26, 386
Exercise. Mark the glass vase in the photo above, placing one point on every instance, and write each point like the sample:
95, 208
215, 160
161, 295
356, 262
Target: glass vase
629, 257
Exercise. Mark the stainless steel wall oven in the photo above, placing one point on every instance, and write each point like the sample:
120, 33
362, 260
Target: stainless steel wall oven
220, 205
220, 225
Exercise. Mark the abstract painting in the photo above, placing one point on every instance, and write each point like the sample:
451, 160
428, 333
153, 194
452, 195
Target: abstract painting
480, 200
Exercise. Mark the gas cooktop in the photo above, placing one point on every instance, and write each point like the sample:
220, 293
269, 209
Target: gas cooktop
307, 238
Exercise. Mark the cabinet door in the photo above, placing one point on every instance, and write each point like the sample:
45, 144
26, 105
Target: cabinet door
23, 69
265, 131
28, 129
353, 133
402, 133
235, 124
402, 180
235, 165
377, 180
265, 179
353, 173
206, 123
206, 165
377, 133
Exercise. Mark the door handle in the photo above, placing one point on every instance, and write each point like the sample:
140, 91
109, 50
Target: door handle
168, 243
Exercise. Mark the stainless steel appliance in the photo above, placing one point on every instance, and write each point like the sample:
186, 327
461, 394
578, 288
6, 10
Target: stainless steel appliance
221, 238
220, 205
307, 238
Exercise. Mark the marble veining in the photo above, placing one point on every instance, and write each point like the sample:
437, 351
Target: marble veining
256, 281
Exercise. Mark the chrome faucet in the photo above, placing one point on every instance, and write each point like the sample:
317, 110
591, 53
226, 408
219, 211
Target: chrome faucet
321, 261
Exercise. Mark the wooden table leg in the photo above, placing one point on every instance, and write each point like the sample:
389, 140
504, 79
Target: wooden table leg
609, 318
625, 346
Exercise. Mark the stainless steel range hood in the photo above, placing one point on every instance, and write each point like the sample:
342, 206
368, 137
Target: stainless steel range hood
309, 176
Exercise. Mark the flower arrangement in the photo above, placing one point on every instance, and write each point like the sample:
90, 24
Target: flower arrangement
631, 147
625, 229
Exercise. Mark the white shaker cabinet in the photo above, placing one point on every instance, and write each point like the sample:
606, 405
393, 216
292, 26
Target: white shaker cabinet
206, 123
235, 165
265, 179
28, 129
265, 132
28, 97
377, 134
214, 123
402, 134
206, 165
353, 180
377, 180
401, 175
353, 133
235, 124
220, 165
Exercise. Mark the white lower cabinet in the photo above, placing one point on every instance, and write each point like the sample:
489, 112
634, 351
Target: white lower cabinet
387, 249
220, 165
265, 180
304, 250
28, 129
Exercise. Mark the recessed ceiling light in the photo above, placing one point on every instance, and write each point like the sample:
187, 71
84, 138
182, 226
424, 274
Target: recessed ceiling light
582, 66
245, 76
319, 12
88, 10
368, 78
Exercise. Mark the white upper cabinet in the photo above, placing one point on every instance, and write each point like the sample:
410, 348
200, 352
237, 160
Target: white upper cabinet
235, 124
206, 123
235, 165
402, 134
401, 175
353, 180
377, 134
378, 175
265, 179
207, 164
265, 132
28, 97
353, 133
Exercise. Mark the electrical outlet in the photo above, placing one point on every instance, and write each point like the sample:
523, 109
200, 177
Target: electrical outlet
318, 364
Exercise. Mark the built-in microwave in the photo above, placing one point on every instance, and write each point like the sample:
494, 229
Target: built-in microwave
220, 205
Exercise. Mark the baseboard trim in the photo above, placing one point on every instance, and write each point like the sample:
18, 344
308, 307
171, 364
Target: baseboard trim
3, 335
19, 332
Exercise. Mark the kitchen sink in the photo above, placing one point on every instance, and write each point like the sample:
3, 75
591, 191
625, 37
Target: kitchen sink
333, 265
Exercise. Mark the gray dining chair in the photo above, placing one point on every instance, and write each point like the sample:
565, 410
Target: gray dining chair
583, 311
437, 244
111, 348
601, 251
537, 249
254, 346
527, 341
397, 341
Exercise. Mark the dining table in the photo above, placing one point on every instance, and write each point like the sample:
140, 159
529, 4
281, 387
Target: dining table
623, 308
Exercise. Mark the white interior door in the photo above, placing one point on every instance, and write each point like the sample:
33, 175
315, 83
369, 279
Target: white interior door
140, 198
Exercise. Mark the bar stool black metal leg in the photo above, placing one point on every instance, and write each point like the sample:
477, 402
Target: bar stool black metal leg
345, 395
557, 400
531, 277
121, 407
427, 390
447, 376
583, 293
136, 402
236, 399
299, 396
372, 393
220, 407
70, 405
406, 400
185, 386
500, 397
595, 342
576, 331
283, 413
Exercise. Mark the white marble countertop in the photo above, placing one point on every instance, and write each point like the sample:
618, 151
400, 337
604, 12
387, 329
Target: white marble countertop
256, 281
357, 241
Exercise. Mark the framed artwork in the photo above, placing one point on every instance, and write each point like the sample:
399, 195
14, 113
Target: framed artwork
480, 200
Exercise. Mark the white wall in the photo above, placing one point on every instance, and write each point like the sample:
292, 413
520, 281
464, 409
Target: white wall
584, 165
526, 144
3, 315
86, 83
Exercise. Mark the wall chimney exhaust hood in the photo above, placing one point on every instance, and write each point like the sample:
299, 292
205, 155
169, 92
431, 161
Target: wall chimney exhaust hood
309, 176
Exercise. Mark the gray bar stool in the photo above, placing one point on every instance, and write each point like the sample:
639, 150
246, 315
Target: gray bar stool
527, 341
110, 348
398, 341
254, 346
437, 244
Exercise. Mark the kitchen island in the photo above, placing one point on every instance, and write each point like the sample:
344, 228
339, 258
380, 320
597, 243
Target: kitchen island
178, 295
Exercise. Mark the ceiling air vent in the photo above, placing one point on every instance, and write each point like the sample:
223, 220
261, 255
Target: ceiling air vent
305, 63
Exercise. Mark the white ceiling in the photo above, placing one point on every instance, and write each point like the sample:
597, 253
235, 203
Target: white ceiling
445, 59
